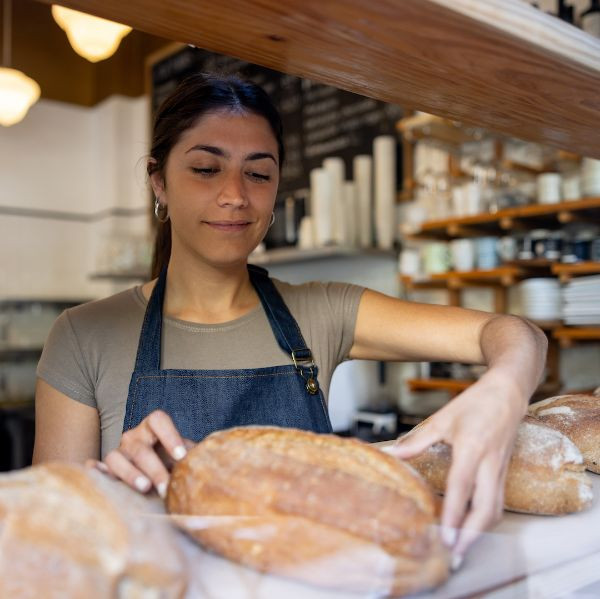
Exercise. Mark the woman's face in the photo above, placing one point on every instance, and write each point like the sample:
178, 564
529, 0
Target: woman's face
220, 184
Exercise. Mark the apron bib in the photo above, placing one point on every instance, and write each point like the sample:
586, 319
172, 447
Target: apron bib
203, 401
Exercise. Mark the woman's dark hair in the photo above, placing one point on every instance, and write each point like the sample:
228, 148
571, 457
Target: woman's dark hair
196, 96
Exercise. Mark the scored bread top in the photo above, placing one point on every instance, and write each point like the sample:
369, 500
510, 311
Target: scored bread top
542, 446
568, 408
339, 482
578, 417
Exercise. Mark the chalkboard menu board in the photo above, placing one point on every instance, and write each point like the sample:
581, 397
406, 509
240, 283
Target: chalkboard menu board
318, 120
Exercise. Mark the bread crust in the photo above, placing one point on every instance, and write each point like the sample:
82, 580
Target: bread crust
317, 508
545, 475
577, 417
66, 531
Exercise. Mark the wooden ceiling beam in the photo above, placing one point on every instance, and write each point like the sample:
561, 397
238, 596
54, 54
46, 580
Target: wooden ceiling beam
500, 64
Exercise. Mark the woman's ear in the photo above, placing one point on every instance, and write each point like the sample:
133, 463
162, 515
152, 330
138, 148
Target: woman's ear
156, 178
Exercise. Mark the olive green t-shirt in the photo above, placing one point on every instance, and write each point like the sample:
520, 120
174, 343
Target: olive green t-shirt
90, 352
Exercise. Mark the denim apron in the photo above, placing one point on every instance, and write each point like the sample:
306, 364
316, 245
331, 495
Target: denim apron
202, 401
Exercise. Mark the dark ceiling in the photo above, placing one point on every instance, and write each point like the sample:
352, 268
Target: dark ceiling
41, 50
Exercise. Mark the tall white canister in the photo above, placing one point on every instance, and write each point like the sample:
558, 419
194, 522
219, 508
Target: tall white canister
321, 206
337, 171
363, 178
350, 213
384, 154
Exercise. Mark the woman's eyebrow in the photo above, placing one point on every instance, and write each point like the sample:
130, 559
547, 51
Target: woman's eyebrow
220, 152
210, 149
260, 156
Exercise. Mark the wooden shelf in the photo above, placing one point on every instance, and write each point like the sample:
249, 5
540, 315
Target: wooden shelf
502, 276
286, 255
567, 336
533, 215
437, 384
566, 271
291, 255
24, 404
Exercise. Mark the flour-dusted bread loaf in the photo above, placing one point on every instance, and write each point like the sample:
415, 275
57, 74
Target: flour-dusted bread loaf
545, 476
68, 532
317, 508
578, 417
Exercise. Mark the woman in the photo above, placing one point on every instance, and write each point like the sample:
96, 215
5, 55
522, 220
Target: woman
221, 344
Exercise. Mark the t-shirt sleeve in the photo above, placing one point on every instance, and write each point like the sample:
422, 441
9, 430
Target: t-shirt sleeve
343, 300
62, 363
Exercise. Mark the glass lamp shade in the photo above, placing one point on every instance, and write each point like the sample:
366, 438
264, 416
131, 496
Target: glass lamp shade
17, 94
91, 37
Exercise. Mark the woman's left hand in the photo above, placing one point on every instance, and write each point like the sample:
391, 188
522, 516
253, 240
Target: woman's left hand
481, 425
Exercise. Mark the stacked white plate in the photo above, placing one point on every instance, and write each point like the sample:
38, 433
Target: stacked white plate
581, 301
590, 177
540, 299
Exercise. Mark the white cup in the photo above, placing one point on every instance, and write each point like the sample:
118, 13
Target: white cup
436, 257
571, 188
410, 262
463, 254
507, 248
549, 188
472, 195
306, 238
487, 253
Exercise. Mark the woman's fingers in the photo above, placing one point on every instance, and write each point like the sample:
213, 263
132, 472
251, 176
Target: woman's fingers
415, 442
123, 469
484, 512
98, 465
158, 427
459, 489
149, 463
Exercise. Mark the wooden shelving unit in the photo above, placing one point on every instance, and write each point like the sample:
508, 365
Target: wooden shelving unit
502, 276
532, 216
567, 336
453, 386
565, 272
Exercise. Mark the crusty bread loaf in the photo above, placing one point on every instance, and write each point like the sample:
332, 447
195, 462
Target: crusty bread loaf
66, 531
545, 475
578, 417
317, 508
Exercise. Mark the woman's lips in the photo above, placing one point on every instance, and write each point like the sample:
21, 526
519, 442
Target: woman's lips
228, 226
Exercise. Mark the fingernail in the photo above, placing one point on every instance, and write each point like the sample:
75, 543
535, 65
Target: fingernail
142, 483
101, 466
457, 561
449, 536
179, 452
161, 488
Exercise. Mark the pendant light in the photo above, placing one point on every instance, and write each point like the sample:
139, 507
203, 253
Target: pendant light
17, 91
91, 37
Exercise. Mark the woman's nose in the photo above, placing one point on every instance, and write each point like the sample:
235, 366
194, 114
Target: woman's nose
233, 192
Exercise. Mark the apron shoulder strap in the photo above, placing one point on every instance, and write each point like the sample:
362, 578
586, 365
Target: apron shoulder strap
284, 325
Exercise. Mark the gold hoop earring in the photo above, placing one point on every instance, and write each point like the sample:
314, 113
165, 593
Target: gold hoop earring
272, 219
161, 211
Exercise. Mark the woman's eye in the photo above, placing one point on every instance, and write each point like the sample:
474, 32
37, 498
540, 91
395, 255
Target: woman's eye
205, 171
260, 177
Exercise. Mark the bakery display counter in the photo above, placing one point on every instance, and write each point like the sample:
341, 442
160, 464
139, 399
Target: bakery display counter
524, 556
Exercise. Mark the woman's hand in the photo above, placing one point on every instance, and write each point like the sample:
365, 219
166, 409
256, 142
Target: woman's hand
146, 454
481, 425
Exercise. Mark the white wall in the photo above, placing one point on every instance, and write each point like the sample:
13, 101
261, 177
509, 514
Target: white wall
75, 160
